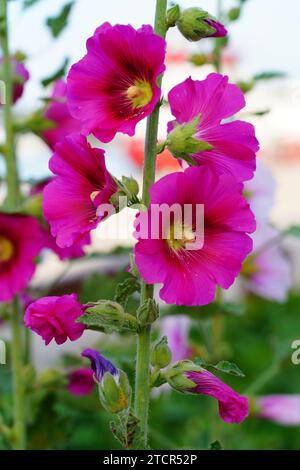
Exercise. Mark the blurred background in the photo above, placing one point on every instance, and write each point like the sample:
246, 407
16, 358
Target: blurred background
263, 41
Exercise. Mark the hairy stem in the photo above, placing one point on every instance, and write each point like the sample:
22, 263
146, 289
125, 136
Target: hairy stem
142, 384
12, 202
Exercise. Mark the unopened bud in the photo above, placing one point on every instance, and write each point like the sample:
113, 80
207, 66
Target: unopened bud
161, 354
148, 312
198, 59
234, 13
176, 376
195, 24
111, 314
115, 392
173, 15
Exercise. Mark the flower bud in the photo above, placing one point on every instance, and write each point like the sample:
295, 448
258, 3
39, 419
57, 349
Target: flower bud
148, 312
173, 15
234, 13
182, 141
195, 24
198, 59
111, 314
161, 354
115, 392
177, 378
131, 186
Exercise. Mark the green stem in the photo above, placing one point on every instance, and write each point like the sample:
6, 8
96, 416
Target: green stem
12, 202
142, 384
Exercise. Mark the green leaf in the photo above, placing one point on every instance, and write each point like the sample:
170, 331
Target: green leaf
229, 368
268, 75
216, 445
125, 289
29, 3
127, 431
57, 24
56, 75
294, 231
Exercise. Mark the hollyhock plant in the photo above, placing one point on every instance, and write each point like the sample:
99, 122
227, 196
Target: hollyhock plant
81, 381
281, 409
58, 112
190, 272
176, 329
186, 377
267, 272
83, 183
115, 85
260, 192
55, 318
199, 135
20, 76
20, 244
195, 24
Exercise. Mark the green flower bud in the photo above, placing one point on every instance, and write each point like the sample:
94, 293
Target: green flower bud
176, 375
148, 312
195, 24
182, 142
161, 354
115, 392
131, 186
234, 13
198, 59
110, 314
173, 15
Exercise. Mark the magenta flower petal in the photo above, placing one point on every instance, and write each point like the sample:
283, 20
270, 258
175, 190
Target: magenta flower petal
83, 183
58, 112
55, 318
233, 408
20, 76
221, 31
233, 144
81, 381
115, 85
281, 409
20, 243
190, 277
176, 329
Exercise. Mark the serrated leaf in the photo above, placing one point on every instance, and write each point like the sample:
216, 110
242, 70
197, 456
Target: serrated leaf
57, 24
229, 368
216, 445
56, 75
127, 431
125, 289
268, 75
93, 322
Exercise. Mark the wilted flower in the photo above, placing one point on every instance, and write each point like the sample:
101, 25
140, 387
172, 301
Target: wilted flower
192, 266
198, 134
55, 318
114, 387
281, 409
81, 381
20, 75
186, 377
81, 184
260, 192
267, 271
20, 244
115, 85
58, 112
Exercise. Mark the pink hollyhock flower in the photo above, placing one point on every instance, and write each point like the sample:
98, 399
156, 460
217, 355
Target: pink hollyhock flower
233, 408
260, 192
115, 85
267, 271
282, 409
58, 112
82, 183
199, 134
20, 76
81, 381
55, 318
20, 244
176, 329
190, 272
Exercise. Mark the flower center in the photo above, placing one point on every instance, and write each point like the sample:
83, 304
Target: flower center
179, 235
6, 249
140, 93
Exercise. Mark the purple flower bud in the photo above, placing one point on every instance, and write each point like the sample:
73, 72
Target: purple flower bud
99, 364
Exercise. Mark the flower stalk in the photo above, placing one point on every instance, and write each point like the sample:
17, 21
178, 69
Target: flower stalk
142, 385
12, 203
